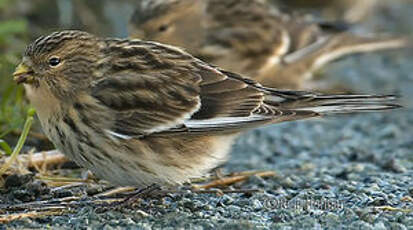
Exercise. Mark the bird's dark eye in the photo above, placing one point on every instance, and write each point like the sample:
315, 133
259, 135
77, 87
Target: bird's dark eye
54, 61
163, 28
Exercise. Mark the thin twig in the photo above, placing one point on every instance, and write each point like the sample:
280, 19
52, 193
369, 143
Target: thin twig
41, 160
34, 214
226, 191
68, 186
59, 203
407, 199
63, 181
225, 181
53, 157
114, 191
254, 173
387, 208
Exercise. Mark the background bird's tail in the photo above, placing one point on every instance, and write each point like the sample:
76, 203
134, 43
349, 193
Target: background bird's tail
339, 45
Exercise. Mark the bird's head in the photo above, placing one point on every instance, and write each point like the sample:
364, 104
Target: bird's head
62, 63
175, 22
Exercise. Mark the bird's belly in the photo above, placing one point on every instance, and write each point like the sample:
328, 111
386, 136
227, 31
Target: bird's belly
106, 158
137, 162
111, 163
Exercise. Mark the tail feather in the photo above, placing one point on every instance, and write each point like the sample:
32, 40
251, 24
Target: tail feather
343, 108
325, 104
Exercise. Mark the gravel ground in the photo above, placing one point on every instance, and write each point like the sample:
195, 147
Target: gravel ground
355, 172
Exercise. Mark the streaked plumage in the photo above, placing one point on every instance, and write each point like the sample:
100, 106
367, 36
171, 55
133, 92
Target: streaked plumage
137, 112
252, 38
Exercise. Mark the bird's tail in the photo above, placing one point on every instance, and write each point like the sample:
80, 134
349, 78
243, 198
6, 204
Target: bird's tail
339, 45
326, 104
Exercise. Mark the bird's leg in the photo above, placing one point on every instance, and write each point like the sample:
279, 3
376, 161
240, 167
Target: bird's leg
130, 199
140, 193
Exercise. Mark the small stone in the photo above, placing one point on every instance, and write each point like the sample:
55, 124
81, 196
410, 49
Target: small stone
39, 188
378, 202
350, 188
410, 191
389, 131
192, 205
379, 226
93, 191
374, 187
16, 180
343, 174
242, 202
288, 183
256, 205
361, 225
394, 165
63, 193
23, 195
226, 200
357, 168
398, 226
331, 217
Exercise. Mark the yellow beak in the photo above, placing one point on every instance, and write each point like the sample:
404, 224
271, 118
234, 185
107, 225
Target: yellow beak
22, 74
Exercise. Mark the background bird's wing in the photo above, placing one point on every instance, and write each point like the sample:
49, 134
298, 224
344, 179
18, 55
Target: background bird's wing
241, 35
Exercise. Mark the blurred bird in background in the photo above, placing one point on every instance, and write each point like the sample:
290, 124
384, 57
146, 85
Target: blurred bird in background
254, 38
351, 11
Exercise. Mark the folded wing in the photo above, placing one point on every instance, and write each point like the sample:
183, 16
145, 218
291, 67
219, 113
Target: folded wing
154, 89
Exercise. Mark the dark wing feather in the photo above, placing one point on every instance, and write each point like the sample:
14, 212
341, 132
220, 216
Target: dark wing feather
143, 93
225, 96
151, 88
147, 107
154, 89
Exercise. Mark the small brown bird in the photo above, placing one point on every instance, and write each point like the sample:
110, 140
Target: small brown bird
138, 112
252, 38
